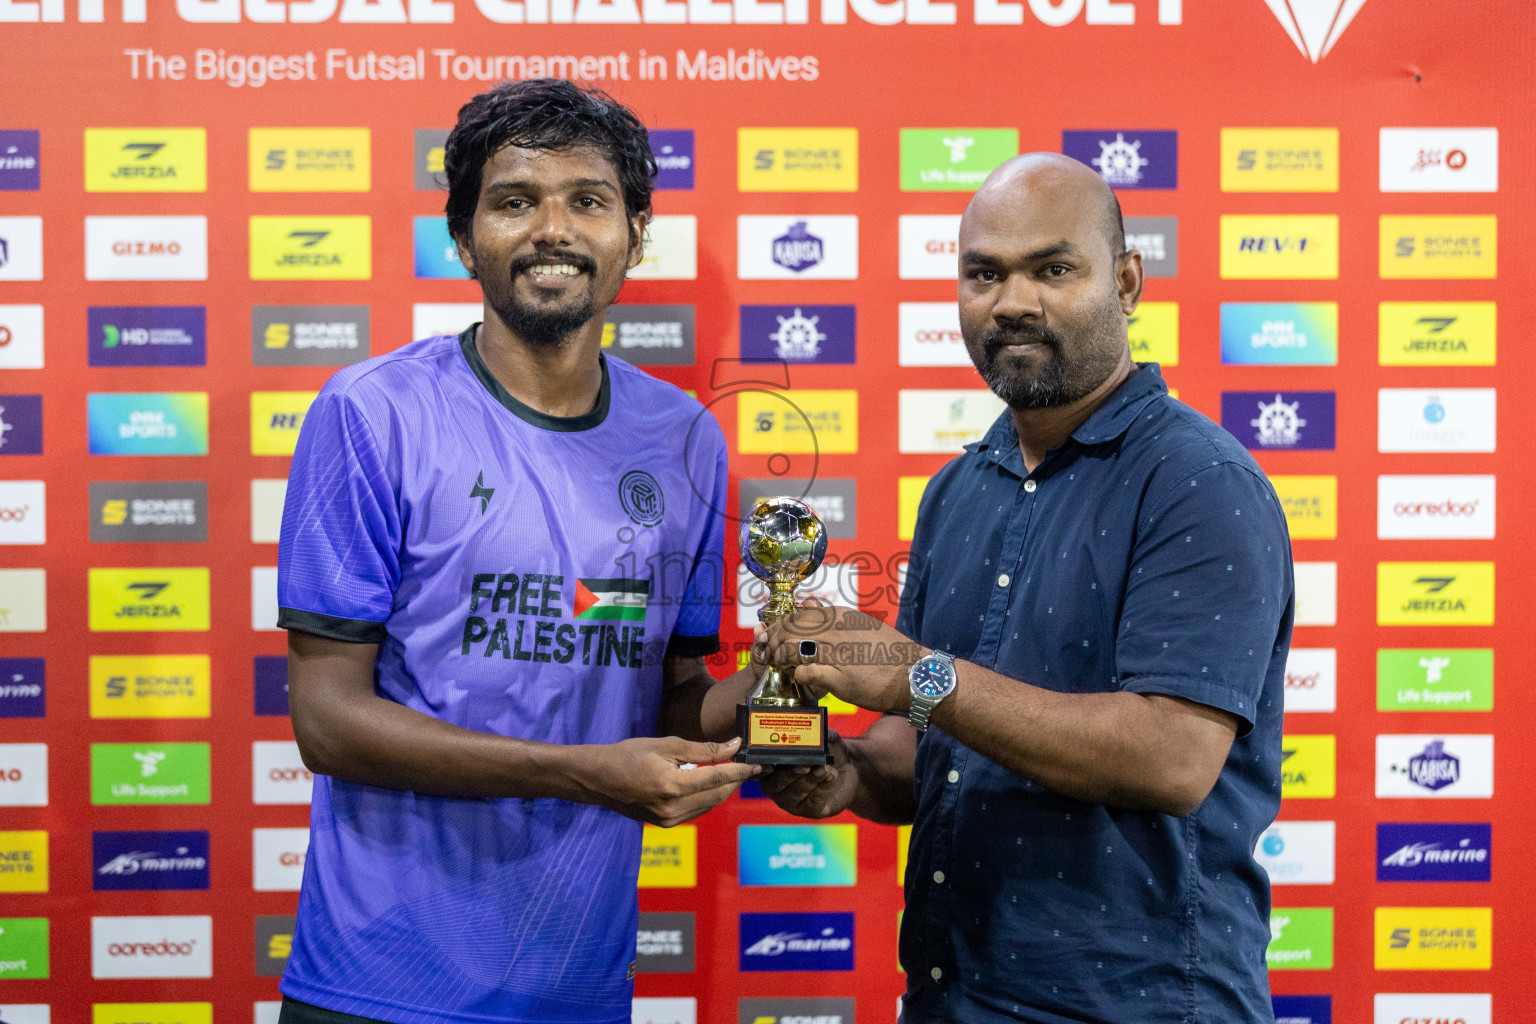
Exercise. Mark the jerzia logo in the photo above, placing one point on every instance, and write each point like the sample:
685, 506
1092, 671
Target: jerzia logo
1315, 25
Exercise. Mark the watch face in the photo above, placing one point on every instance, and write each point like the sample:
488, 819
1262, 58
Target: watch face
932, 678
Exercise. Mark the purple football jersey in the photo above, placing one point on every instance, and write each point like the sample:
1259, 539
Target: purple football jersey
523, 575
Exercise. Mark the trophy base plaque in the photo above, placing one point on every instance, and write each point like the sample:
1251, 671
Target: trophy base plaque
782, 735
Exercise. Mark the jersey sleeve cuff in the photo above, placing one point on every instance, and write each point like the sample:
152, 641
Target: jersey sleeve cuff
332, 627
1214, 695
682, 646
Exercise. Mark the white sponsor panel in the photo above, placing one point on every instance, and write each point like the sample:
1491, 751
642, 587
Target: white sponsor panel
23, 512
1435, 507
267, 1011
264, 598
930, 335
676, 1010
1297, 852
929, 247
23, 600
1436, 419
267, 497
1317, 593
944, 421
834, 584
24, 1013
1311, 679
21, 248
1434, 766
671, 249
21, 341
429, 319
146, 248
277, 858
152, 947
1434, 1008
278, 774
792, 248
23, 775
1439, 159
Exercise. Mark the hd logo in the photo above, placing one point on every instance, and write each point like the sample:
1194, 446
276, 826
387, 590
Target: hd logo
146, 160
276, 417
1439, 246
1434, 593
336, 248
797, 159
158, 599
1437, 333
310, 160
1267, 247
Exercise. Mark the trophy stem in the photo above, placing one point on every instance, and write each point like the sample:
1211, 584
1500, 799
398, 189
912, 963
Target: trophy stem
781, 600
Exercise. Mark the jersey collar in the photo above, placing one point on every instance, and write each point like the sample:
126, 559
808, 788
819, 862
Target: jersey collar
526, 413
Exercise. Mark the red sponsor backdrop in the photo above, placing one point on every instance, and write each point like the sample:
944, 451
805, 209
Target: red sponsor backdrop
1230, 64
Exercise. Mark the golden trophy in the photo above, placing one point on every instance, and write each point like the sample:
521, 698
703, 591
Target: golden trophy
783, 541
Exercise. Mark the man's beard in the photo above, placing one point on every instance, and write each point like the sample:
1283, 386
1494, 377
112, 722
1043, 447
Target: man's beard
1058, 382
541, 327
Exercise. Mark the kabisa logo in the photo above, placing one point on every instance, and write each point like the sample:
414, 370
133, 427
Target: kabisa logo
1127, 159
20, 160
158, 773
797, 249
1315, 25
525, 613
146, 160
642, 498
799, 334
1433, 852
1434, 766
1265, 420
797, 854
320, 248
673, 150
148, 599
152, 947
149, 860
797, 942
23, 687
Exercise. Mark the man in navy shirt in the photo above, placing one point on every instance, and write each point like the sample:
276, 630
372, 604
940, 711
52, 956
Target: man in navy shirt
1101, 593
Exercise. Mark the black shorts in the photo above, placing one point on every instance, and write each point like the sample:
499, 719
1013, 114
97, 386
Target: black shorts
295, 1012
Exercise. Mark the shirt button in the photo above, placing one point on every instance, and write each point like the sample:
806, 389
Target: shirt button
1002, 580
954, 776
1029, 486
936, 974
938, 876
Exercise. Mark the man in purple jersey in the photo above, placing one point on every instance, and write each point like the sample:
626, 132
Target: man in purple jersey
499, 581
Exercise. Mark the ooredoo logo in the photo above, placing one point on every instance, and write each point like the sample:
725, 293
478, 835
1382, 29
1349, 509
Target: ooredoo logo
279, 775
152, 947
1435, 507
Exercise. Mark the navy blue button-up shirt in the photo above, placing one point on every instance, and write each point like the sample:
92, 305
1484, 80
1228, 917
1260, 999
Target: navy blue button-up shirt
1147, 553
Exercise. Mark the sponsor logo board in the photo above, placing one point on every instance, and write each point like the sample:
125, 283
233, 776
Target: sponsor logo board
24, 1013
1311, 679
797, 942
1280, 333
150, 686
1127, 159
1310, 504
146, 160
147, 335
429, 145
23, 512
154, 599
309, 335
152, 1013
267, 498
139, 861
21, 160
1416, 1007
1436, 420
1439, 246
23, 600
1279, 247
797, 159
430, 319
909, 495
1297, 852
21, 424
1434, 593
310, 160
795, 1011
664, 1010
664, 943
23, 687
437, 254
1434, 938
929, 335
944, 421
953, 159
271, 685
928, 247
23, 862
671, 249
278, 775
1439, 160
1300, 938
650, 335
1153, 333
792, 248
1434, 766
148, 423
820, 855
277, 858
1420, 679
146, 248
1307, 766
23, 947
1435, 507
149, 511
264, 597
1279, 159
274, 943
21, 336
21, 248
669, 857
799, 421
276, 417
1157, 239
1317, 593
835, 499
1434, 852
1302, 1009
149, 773
799, 334
1280, 420
673, 151
1437, 333
311, 248
152, 947
23, 775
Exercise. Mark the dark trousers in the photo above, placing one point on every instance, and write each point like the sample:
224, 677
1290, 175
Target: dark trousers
295, 1012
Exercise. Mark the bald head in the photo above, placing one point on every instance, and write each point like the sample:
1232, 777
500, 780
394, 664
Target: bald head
1057, 179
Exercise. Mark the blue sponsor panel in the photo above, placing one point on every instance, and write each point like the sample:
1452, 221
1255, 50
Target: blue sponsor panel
797, 854
1126, 158
148, 423
1280, 333
437, 256
21, 160
673, 150
149, 860
1303, 1009
799, 334
1280, 420
21, 424
271, 675
797, 942
1434, 852
23, 687
147, 335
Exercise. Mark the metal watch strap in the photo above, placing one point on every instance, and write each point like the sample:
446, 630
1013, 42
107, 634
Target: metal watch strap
922, 706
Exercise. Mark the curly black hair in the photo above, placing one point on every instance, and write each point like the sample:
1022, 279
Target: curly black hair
549, 114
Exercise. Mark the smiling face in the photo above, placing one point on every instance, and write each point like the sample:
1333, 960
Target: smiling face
1044, 289
550, 240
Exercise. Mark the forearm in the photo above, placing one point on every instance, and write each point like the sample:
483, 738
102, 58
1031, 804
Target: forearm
883, 761
696, 706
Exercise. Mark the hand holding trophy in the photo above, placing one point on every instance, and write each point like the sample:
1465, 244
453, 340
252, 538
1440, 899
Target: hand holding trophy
783, 541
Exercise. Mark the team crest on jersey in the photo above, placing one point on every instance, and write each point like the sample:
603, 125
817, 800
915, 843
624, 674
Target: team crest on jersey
641, 497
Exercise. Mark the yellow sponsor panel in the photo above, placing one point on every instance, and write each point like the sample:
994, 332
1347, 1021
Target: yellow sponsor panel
768, 422
150, 686
1154, 333
151, 599
1440, 246
797, 159
1437, 333
152, 1013
669, 857
903, 841
909, 495
23, 861
310, 160
1434, 938
1279, 159
1307, 766
276, 417
1279, 247
311, 248
1434, 593
146, 160
1310, 504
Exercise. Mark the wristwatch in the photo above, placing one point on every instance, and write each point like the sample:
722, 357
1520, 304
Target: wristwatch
932, 679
